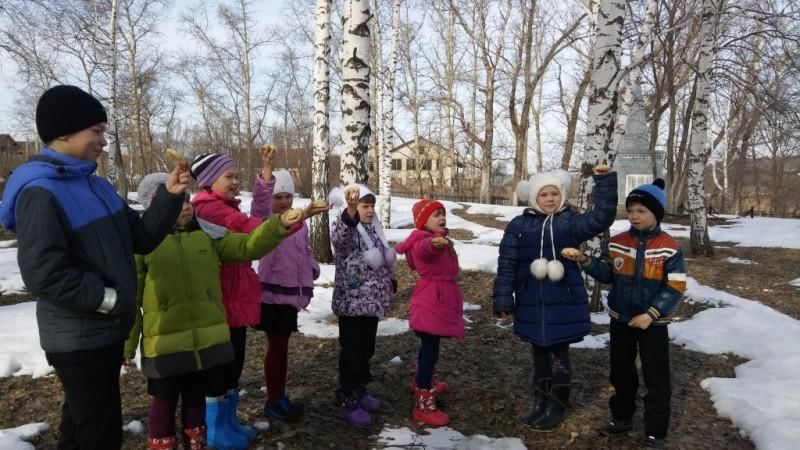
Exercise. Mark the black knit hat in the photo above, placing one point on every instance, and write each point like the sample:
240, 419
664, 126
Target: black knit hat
651, 196
63, 110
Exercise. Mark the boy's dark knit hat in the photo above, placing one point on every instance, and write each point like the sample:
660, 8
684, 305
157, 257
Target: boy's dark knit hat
63, 110
651, 196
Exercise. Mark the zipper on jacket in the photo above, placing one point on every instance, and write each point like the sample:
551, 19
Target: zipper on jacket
640, 250
182, 257
544, 328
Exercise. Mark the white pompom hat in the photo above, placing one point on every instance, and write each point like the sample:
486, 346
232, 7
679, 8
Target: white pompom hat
283, 182
529, 189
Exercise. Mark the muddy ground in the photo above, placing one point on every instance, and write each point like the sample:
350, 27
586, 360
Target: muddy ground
489, 373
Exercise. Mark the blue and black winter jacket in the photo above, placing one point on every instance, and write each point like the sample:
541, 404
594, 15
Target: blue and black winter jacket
647, 271
547, 312
76, 237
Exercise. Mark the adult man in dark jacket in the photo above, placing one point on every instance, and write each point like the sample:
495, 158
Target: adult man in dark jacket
76, 239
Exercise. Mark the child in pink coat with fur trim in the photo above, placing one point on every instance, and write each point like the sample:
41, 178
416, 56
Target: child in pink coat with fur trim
436, 305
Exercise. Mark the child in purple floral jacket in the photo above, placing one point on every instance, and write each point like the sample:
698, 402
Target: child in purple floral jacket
363, 289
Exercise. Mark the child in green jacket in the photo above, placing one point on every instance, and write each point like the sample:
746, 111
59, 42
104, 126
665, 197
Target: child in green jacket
185, 338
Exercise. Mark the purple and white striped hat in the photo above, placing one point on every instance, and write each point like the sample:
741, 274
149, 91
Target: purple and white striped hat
208, 167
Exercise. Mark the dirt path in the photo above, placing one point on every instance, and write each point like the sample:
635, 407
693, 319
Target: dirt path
489, 373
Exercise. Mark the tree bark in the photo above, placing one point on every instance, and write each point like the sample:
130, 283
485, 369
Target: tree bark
320, 230
355, 90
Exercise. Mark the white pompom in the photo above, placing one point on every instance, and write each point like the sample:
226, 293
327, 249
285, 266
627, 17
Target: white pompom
336, 198
391, 258
373, 258
523, 190
555, 270
565, 178
539, 268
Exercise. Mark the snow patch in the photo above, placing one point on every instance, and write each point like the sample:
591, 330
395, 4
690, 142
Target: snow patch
134, 426
17, 438
764, 398
444, 438
20, 352
734, 260
593, 341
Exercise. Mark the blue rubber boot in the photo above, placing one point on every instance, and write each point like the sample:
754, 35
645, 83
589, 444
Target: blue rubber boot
220, 434
233, 402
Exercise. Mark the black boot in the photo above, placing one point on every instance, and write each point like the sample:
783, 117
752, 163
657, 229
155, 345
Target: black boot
555, 409
541, 389
617, 426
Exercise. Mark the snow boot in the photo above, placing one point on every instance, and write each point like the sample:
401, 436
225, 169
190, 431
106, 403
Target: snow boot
220, 434
367, 402
541, 389
165, 443
555, 408
616, 426
194, 438
233, 403
425, 408
283, 410
351, 411
440, 385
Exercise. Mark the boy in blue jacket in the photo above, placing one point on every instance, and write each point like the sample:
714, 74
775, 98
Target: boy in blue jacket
76, 239
648, 275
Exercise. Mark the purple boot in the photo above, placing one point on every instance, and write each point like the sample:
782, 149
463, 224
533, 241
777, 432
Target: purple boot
351, 411
367, 402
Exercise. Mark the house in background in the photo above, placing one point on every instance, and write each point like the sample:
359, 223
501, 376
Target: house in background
426, 169
634, 160
14, 153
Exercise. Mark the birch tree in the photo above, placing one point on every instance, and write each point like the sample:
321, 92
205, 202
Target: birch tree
384, 158
626, 91
320, 231
116, 167
605, 73
355, 90
700, 148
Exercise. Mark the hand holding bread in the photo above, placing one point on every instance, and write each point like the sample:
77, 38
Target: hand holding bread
573, 254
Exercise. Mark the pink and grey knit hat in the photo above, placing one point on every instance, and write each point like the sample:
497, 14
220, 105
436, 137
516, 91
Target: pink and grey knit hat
207, 168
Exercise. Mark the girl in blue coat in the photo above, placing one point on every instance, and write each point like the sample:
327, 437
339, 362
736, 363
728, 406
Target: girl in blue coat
542, 289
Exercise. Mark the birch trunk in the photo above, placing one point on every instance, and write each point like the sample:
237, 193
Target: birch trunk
626, 93
700, 147
605, 69
355, 90
384, 158
116, 167
375, 94
320, 231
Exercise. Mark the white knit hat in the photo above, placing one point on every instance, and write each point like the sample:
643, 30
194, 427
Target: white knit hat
560, 179
336, 196
148, 187
283, 182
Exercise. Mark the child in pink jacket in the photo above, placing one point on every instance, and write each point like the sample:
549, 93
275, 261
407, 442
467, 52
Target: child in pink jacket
218, 179
287, 277
436, 305
217, 202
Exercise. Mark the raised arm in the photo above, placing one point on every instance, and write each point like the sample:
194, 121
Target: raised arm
601, 216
